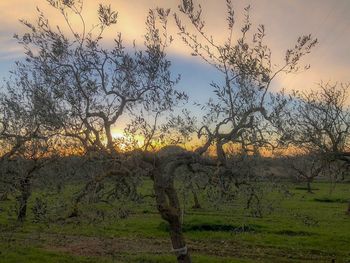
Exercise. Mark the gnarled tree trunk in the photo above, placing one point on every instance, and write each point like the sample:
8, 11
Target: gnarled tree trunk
165, 164
168, 206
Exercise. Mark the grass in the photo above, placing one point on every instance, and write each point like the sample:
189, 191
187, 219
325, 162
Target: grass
302, 228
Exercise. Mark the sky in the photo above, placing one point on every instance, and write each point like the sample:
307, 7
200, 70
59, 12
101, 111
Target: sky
284, 20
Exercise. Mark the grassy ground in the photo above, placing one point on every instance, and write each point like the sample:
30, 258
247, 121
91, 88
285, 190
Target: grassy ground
301, 228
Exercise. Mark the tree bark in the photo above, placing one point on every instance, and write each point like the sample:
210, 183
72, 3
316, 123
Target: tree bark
165, 164
309, 190
168, 206
23, 199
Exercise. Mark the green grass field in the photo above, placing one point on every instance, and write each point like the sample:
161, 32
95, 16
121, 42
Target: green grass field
301, 228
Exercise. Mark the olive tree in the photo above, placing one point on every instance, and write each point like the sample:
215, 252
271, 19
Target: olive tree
306, 167
243, 110
320, 123
25, 142
90, 86
86, 87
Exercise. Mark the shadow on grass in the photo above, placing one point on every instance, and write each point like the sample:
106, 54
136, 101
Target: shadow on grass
306, 189
200, 227
330, 200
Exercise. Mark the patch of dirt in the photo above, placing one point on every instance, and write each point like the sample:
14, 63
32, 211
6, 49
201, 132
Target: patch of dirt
98, 247
93, 246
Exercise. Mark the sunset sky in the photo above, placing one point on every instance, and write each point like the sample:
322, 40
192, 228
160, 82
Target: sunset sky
284, 20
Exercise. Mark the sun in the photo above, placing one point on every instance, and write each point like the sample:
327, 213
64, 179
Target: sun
125, 141
117, 135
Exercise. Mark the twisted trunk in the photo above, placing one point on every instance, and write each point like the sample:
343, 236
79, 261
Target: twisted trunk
168, 206
165, 164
